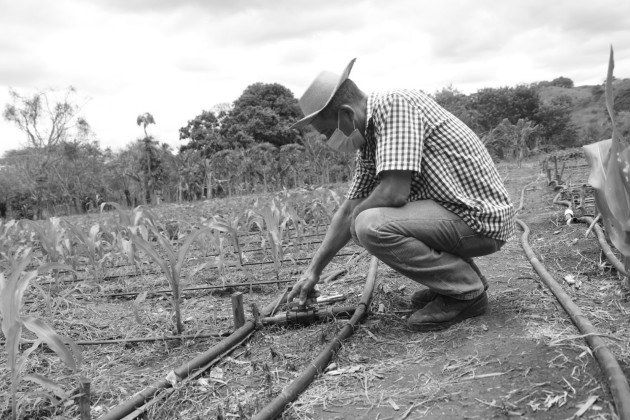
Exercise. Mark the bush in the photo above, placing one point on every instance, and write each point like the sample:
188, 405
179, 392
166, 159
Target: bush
562, 81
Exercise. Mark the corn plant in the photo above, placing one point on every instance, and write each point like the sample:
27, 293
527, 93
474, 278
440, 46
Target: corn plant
231, 227
610, 178
132, 222
7, 242
51, 236
291, 212
269, 219
12, 291
91, 246
172, 265
323, 205
217, 241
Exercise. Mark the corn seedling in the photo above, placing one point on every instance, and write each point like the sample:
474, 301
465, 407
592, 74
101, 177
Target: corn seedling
172, 265
269, 219
6, 240
51, 236
91, 247
130, 223
291, 213
323, 206
217, 242
12, 291
229, 226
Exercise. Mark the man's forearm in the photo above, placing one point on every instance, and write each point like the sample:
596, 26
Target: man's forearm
392, 191
337, 236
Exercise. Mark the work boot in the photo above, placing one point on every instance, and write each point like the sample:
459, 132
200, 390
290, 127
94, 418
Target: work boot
444, 311
420, 298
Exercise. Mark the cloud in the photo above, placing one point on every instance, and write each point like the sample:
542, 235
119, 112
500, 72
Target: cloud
176, 58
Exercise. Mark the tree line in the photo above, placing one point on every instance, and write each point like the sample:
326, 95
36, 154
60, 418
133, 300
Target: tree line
230, 149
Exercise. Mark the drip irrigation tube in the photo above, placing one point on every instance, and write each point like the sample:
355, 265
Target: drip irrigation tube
601, 238
614, 375
115, 276
326, 278
186, 369
299, 384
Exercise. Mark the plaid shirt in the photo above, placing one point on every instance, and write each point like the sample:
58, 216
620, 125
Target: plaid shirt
409, 131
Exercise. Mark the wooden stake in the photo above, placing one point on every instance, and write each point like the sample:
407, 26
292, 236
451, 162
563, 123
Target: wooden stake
84, 399
238, 313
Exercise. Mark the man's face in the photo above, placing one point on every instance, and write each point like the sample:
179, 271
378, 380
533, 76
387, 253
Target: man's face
325, 126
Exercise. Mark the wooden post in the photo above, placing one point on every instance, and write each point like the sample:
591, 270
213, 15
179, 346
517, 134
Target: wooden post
84, 399
238, 313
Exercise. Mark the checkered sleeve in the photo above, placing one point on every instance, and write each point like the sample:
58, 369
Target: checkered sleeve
365, 179
400, 136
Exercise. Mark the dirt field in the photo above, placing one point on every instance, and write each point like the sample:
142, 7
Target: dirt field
522, 359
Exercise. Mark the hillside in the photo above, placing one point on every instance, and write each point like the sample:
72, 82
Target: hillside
589, 107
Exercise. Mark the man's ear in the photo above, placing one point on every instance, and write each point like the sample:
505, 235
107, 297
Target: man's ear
347, 109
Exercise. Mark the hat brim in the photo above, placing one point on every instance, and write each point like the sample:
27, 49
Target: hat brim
309, 118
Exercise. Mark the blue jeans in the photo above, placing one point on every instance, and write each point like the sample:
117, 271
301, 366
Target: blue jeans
428, 244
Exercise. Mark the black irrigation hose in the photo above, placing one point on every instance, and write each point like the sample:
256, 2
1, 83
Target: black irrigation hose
294, 260
186, 369
28, 343
601, 238
197, 289
326, 278
614, 375
299, 384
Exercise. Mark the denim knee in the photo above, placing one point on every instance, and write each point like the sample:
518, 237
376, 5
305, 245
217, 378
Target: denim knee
366, 227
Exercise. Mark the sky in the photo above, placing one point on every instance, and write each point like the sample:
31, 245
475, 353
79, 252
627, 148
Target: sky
175, 59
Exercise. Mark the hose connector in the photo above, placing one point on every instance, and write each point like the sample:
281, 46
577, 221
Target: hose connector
568, 216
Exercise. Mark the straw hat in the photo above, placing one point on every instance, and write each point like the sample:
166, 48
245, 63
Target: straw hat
319, 94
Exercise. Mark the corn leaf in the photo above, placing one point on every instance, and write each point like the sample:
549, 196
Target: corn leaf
53, 340
11, 294
44, 268
47, 383
124, 218
166, 245
184, 249
198, 268
148, 249
128, 249
609, 161
26, 354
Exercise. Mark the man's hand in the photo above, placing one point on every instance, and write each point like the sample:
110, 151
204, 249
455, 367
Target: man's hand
304, 289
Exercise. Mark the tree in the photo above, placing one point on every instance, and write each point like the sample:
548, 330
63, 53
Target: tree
291, 165
492, 105
263, 158
78, 177
555, 121
203, 134
150, 152
512, 140
122, 175
458, 104
262, 114
47, 118
562, 81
